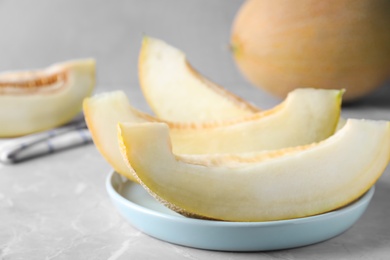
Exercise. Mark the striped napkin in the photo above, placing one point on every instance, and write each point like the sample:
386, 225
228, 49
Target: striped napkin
43, 143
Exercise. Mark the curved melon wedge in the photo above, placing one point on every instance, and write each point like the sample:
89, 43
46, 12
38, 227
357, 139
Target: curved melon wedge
285, 184
177, 92
102, 114
306, 116
32, 101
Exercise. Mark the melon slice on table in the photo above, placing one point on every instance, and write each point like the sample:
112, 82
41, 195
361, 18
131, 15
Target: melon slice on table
284, 184
306, 116
32, 101
177, 92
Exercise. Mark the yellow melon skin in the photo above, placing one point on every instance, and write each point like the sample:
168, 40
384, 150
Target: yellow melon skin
282, 45
32, 101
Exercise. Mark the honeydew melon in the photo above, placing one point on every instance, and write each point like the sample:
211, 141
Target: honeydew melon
284, 184
102, 114
282, 45
306, 116
177, 92
32, 101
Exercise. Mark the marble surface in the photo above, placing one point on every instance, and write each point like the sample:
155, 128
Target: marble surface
56, 207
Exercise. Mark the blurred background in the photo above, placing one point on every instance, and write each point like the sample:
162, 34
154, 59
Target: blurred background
38, 33
35, 34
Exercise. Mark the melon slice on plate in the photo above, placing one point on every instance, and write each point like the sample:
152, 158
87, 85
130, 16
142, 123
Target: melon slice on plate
177, 92
284, 184
32, 101
102, 114
306, 116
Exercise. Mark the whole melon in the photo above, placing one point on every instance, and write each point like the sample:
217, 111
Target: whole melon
281, 45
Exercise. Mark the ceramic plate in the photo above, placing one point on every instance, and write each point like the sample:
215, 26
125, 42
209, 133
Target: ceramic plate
146, 214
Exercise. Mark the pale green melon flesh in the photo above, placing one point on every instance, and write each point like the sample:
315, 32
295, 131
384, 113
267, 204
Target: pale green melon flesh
319, 111
35, 101
102, 114
176, 92
306, 116
288, 184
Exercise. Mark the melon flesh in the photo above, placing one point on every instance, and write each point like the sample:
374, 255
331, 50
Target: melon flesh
32, 101
285, 184
177, 92
102, 114
304, 117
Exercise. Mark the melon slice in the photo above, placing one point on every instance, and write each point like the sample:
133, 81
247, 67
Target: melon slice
102, 113
306, 116
177, 92
284, 184
32, 101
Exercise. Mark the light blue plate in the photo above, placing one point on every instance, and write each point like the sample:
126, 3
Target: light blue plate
146, 214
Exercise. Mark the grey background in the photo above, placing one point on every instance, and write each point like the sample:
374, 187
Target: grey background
35, 34
38, 33
56, 207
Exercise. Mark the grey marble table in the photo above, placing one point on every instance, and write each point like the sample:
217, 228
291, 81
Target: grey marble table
56, 207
